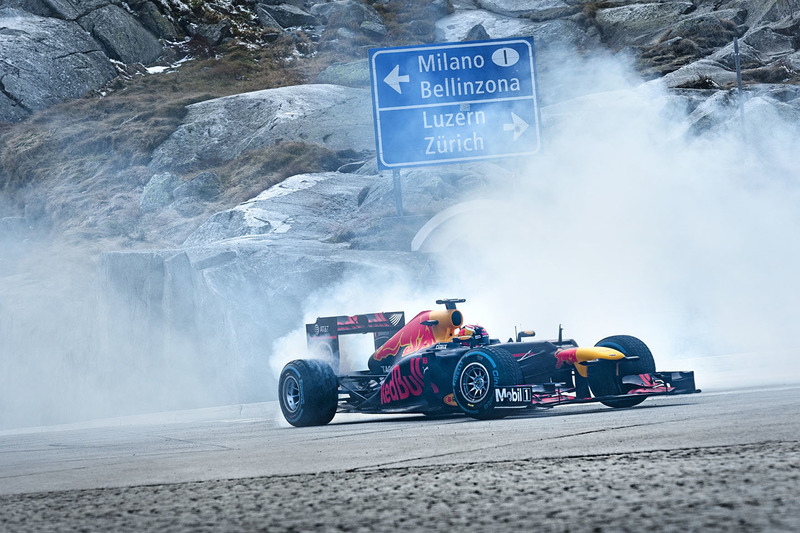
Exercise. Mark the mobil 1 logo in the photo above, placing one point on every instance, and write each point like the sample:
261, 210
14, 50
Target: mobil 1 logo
454, 102
513, 396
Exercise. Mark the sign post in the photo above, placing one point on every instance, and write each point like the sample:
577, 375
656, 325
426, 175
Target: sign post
454, 102
398, 192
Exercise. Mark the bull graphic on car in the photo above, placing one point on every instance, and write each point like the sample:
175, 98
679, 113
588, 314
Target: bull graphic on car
437, 365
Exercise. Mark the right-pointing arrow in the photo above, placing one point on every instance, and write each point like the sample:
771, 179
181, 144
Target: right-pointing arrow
518, 126
394, 78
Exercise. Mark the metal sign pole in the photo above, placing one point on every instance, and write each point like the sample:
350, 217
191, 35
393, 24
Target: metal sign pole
739, 81
398, 192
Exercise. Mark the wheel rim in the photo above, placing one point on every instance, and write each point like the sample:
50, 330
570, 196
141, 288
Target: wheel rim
291, 393
475, 382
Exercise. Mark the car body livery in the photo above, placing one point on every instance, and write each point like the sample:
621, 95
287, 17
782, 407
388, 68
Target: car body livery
428, 365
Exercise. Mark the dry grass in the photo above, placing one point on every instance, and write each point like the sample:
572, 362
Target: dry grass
259, 169
408, 21
685, 42
701, 82
120, 126
116, 133
779, 72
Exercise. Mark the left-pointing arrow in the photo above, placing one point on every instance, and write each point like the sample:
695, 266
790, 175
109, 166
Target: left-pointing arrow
394, 78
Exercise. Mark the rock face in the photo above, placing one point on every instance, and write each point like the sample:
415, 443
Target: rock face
204, 186
511, 8
45, 61
349, 14
158, 192
56, 50
456, 26
288, 16
354, 74
305, 206
639, 22
121, 35
337, 207
664, 36
221, 129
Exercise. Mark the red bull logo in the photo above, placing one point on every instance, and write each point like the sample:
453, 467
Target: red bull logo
397, 387
422, 331
413, 337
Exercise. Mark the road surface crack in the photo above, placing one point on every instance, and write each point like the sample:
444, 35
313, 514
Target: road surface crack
495, 447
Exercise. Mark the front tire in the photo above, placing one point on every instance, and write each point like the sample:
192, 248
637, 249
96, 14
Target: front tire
479, 372
604, 379
308, 392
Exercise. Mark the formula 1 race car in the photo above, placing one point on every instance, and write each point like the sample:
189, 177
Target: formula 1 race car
434, 364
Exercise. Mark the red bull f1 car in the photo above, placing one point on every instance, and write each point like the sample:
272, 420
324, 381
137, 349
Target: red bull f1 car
436, 365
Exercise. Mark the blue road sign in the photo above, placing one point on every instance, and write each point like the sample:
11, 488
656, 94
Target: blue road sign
454, 102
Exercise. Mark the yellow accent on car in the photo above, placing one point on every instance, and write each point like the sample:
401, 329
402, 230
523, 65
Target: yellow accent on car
592, 354
447, 326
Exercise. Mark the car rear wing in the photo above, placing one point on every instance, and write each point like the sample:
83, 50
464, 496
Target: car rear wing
322, 336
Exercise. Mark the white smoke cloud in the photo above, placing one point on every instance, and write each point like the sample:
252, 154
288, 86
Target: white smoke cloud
628, 223
67, 356
622, 225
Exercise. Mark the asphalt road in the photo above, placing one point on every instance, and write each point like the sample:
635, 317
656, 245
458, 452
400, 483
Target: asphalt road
724, 460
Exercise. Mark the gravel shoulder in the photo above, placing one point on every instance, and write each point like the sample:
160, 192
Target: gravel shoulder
748, 487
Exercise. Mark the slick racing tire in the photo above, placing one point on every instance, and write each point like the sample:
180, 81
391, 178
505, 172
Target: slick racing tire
603, 378
308, 392
479, 372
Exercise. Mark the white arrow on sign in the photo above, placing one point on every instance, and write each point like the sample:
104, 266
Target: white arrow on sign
394, 78
518, 126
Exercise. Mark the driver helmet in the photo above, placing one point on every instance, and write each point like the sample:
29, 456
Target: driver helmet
472, 335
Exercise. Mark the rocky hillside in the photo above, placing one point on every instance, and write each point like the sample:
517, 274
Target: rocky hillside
135, 96
137, 65
177, 179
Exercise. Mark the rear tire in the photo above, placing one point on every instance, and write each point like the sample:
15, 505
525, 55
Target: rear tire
603, 378
308, 392
479, 372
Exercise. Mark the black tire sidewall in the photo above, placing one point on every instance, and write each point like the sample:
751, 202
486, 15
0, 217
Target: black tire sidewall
288, 414
318, 387
603, 380
498, 366
631, 346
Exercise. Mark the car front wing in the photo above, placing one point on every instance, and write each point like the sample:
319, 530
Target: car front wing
669, 383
